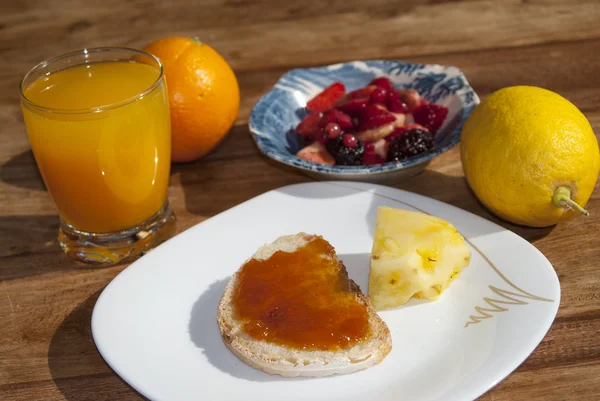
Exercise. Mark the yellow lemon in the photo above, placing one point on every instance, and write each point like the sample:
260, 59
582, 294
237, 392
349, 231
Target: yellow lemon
530, 156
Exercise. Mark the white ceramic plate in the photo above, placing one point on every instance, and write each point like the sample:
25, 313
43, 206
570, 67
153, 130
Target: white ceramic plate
155, 323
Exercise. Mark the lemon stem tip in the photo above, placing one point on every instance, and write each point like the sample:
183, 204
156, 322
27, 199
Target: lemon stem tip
562, 198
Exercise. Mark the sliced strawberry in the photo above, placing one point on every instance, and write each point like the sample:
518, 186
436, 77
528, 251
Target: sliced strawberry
430, 116
383, 82
336, 116
373, 117
401, 130
309, 125
328, 98
362, 93
353, 107
316, 152
371, 110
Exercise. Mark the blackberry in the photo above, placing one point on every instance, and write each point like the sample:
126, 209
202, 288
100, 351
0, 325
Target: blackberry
344, 155
411, 143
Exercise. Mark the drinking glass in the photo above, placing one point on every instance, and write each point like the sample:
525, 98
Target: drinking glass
98, 124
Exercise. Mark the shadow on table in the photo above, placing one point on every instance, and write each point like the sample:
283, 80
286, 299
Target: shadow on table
77, 368
29, 246
24, 235
21, 171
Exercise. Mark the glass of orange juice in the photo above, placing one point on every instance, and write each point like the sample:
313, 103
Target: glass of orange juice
98, 124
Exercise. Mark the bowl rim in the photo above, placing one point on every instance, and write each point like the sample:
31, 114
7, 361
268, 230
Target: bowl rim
265, 103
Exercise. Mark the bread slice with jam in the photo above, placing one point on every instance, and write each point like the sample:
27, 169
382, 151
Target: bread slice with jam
291, 310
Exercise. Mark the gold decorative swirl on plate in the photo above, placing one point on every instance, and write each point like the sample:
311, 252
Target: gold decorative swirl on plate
506, 297
493, 305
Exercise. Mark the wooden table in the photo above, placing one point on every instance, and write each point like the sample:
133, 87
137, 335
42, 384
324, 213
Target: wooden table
46, 348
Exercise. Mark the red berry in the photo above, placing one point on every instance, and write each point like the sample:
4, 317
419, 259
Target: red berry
353, 107
333, 130
369, 147
379, 95
337, 116
322, 137
309, 125
395, 104
349, 140
383, 82
431, 116
328, 98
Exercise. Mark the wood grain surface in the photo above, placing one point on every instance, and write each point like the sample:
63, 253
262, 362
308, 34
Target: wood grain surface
46, 348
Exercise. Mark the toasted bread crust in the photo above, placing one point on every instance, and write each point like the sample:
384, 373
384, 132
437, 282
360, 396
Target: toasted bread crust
276, 359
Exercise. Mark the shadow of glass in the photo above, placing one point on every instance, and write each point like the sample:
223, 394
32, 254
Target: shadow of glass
77, 368
204, 333
21, 171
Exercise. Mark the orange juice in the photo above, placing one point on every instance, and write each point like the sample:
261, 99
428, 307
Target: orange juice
102, 142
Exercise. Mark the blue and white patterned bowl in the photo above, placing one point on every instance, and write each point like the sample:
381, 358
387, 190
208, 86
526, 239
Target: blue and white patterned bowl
276, 114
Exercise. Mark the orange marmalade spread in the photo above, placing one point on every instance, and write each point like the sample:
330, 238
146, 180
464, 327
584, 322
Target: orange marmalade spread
301, 300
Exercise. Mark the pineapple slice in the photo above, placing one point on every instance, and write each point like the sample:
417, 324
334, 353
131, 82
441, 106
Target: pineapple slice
413, 255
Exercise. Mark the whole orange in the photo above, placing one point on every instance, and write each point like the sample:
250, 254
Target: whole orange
204, 95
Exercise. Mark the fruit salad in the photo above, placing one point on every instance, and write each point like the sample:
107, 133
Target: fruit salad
371, 125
